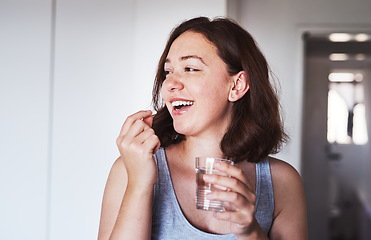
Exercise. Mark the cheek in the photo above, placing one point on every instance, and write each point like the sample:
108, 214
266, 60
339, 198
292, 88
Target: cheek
165, 97
214, 96
218, 89
164, 93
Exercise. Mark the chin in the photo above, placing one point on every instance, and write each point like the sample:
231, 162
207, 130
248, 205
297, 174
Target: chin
181, 129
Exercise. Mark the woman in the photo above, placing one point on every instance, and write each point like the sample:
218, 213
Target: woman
213, 98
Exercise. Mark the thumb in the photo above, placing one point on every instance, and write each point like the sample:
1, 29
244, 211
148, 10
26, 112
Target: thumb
148, 120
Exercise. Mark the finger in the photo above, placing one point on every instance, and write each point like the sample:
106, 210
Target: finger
157, 147
239, 218
149, 121
144, 135
234, 172
239, 201
136, 128
133, 118
153, 143
231, 183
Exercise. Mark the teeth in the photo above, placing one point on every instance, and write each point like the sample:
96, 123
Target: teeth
181, 103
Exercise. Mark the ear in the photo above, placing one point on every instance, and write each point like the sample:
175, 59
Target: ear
239, 86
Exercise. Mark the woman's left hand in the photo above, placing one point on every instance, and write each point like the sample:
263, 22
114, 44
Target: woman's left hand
239, 201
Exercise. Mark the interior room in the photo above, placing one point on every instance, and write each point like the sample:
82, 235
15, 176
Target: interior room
71, 71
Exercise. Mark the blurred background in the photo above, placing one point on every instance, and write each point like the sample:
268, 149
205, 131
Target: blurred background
71, 71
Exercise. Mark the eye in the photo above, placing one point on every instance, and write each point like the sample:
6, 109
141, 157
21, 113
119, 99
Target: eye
167, 72
190, 69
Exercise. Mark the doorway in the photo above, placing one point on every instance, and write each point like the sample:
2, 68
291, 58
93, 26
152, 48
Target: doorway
335, 136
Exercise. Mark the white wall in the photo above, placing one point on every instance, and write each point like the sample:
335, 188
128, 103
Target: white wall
277, 26
25, 33
62, 103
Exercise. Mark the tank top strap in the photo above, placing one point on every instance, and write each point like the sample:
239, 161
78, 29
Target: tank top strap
264, 204
163, 178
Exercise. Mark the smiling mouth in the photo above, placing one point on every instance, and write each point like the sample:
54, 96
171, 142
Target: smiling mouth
177, 105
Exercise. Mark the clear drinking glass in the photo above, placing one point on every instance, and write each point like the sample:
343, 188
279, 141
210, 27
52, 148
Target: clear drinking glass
205, 165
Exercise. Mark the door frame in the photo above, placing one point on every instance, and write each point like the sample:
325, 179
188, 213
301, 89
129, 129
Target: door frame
314, 163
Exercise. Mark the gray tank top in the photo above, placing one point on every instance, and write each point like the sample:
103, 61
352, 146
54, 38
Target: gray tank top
168, 221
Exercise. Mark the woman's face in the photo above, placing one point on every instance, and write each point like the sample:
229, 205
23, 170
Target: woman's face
197, 87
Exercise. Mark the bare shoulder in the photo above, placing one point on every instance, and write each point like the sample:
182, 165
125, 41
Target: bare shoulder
287, 184
283, 173
112, 198
289, 202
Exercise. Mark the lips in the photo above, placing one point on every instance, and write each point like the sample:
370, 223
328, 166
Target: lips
180, 106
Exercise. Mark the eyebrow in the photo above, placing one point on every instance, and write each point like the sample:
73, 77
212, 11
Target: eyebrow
188, 57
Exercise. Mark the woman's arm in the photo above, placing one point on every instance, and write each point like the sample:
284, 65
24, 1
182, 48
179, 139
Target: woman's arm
127, 200
124, 212
112, 198
290, 217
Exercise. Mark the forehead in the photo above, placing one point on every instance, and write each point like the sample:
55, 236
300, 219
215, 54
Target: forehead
191, 43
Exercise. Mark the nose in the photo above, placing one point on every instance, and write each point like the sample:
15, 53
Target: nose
172, 83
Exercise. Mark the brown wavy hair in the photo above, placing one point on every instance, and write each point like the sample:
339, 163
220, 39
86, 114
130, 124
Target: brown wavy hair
256, 129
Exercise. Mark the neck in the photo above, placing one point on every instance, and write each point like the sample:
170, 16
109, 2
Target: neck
195, 147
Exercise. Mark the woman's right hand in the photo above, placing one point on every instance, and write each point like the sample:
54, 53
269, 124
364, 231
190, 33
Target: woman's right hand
137, 143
